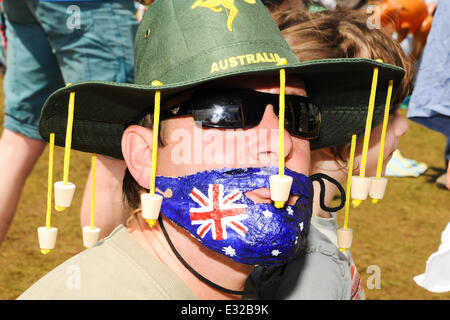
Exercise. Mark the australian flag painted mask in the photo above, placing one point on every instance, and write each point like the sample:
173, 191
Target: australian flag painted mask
212, 206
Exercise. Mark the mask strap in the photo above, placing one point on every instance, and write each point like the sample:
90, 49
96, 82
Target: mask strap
191, 270
319, 177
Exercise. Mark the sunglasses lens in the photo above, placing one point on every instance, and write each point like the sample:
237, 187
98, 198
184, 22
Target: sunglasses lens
241, 108
219, 116
230, 110
307, 120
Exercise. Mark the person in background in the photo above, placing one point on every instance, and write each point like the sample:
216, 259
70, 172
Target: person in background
321, 271
51, 44
429, 104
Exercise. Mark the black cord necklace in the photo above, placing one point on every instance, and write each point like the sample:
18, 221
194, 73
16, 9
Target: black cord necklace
191, 270
319, 177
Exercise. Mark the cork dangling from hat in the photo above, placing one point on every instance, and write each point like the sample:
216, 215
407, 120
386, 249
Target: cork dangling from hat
151, 202
91, 233
47, 234
280, 184
345, 234
64, 190
363, 186
378, 183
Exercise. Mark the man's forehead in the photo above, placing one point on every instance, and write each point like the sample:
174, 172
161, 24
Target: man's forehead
264, 83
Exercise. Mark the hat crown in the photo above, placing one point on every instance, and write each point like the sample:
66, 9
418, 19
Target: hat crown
189, 40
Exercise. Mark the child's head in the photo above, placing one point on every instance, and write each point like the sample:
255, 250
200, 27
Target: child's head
345, 34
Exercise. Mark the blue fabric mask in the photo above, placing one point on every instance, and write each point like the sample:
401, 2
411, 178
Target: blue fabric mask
212, 206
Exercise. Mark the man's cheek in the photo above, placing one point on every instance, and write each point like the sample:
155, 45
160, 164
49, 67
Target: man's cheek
301, 156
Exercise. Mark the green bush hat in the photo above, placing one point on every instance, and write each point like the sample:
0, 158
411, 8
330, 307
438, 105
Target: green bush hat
185, 43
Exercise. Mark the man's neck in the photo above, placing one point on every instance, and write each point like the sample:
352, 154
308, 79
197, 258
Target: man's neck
211, 265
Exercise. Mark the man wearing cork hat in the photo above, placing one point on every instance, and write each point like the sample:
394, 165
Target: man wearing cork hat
205, 148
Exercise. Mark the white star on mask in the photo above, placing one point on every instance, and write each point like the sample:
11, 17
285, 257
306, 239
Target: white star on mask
229, 251
276, 252
267, 214
290, 211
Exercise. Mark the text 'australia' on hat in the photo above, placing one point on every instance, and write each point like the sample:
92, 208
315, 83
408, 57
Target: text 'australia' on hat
184, 43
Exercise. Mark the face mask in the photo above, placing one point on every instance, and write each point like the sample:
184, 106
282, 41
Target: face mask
212, 206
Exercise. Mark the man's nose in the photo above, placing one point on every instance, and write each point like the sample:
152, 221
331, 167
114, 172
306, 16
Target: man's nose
268, 138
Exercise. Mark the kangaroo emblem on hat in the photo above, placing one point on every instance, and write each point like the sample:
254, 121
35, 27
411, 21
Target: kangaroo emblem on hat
227, 4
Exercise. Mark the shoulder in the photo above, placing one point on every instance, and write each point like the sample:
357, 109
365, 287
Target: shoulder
115, 268
320, 271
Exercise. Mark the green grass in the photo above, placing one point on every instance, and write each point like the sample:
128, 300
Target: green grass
397, 235
400, 232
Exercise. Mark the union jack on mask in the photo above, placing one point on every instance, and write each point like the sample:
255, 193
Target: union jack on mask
212, 206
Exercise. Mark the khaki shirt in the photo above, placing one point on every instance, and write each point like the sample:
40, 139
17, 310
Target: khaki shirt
115, 268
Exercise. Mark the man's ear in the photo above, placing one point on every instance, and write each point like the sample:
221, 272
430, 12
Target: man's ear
137, 152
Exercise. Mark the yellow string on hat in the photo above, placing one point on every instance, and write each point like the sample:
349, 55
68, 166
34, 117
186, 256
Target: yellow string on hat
383, 134
349, 182
362, 172
50, 181
283, 61
48, 218
281, 118
68, 143
155, 143
68, 138
94, 172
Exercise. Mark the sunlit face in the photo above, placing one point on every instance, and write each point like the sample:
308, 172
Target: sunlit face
326, 162
397, 127
189, 149
230, 213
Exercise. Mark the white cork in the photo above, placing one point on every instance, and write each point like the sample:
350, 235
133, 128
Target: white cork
377, 188
64, 194
345, 238
360, 187
151, 206
280, 187
47, 237
90, 236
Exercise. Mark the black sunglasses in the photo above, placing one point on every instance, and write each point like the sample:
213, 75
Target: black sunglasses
232, 108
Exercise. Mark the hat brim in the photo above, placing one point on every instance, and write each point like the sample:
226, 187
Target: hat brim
103, 110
